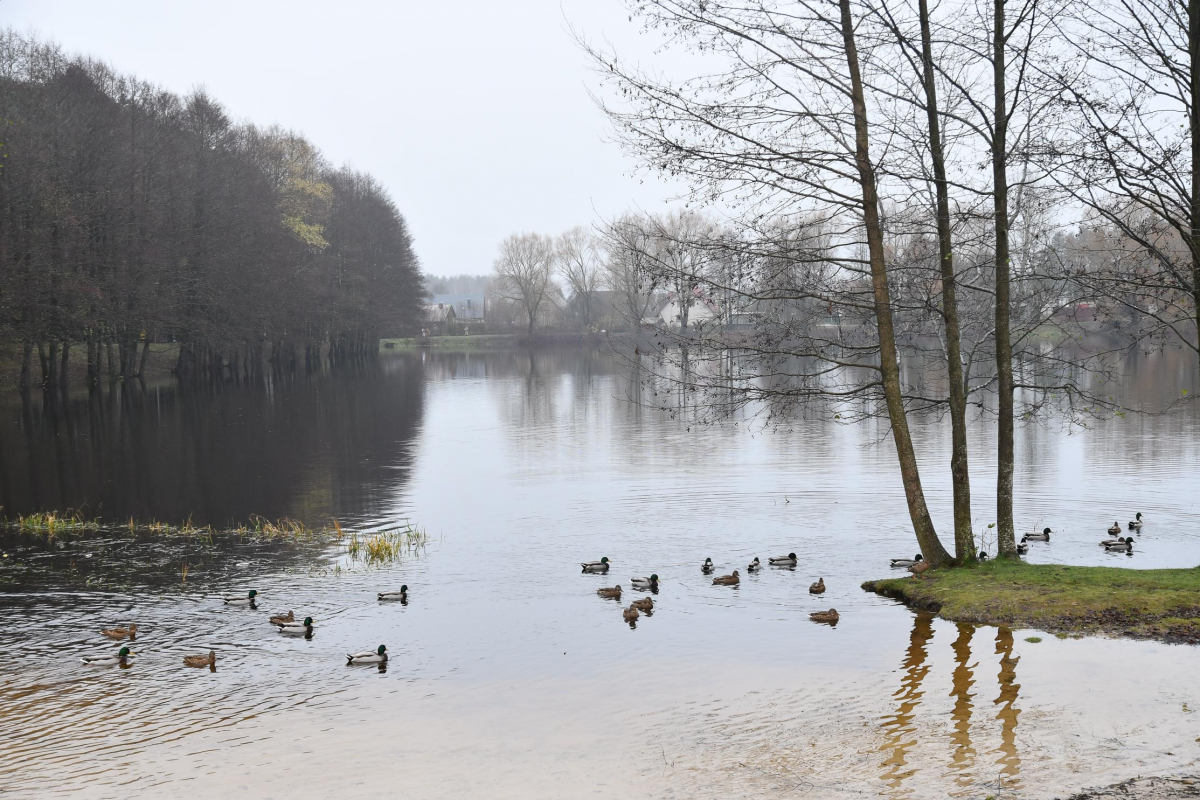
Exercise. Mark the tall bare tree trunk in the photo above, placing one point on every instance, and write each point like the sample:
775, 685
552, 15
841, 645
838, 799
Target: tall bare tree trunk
64, 363
26, 364
1194, 119
964, 537
927, 539
1006, 530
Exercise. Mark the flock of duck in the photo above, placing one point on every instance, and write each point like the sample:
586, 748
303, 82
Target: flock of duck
650, 584
1114, 544
287, 624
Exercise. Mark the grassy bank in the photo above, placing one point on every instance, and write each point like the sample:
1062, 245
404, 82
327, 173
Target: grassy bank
1159, 604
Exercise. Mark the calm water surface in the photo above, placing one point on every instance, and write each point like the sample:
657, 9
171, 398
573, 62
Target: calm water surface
509, 677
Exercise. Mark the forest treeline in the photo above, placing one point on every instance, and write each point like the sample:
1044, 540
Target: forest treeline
131, 215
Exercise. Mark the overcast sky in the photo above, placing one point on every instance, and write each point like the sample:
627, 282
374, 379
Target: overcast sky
474, 114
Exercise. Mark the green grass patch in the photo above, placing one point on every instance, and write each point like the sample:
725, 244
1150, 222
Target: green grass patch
1159, 604
1033, 639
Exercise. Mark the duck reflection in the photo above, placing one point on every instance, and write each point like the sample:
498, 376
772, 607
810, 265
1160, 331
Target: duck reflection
899, 730
1009, 760
963, 757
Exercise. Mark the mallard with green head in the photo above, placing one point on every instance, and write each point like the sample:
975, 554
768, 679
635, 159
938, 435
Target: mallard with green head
129, 633
789, 560
241, 600
1125, 545
376, 656
1044, 536
305, 628
108, 659
905, 563
754, 566
650, 583
401, 595
209, 660
1136, 522
707, 567
596, 566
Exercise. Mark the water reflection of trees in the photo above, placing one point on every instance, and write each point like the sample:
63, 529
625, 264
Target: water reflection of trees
308, 447
963, 754
1009, 759
900, 731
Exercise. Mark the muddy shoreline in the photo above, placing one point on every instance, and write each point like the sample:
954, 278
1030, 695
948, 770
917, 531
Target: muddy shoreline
1146, 789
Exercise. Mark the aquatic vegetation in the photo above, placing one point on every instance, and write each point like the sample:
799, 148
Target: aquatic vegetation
1033, 639
385, 546
52, 523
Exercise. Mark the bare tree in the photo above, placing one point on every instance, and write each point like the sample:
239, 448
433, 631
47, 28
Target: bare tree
523, 271
783, 125
580, 262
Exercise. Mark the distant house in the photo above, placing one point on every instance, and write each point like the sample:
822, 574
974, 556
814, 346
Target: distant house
440, 318
703, 310
466, 306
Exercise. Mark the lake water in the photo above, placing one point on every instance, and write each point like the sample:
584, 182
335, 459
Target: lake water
509, 677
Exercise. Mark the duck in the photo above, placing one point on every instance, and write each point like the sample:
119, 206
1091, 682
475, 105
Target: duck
401, 595
727, 580
108, 659
613, 593
646, 604
1123, 544
281, 619
905, 563
596, 566
209, 660
129, 633
983, 556
304, 629
1114, 540
755, 565
818, 587
831, 616
1044, 536
789, 560
645, 583
630, 614
707, 567
376, 656
1022, 548
1136, 522
919, 569
238, 600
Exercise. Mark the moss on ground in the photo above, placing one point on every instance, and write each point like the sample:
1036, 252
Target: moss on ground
1159, 604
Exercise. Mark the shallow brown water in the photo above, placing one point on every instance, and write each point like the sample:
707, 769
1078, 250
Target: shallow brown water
509, 677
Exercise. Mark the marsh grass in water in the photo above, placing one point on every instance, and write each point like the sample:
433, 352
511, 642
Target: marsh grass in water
51, 524
386, 546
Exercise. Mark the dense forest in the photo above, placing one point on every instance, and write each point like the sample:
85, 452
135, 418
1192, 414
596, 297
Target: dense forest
130, 215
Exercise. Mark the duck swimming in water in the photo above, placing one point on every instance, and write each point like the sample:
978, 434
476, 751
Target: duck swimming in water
727, 580
108, 659
129, 633
376, 656
789, 560
650, 583
600, 566
755, 565
1136, 523
829, 617
209, 660
1121, 545
905, 563
613, 593
818, 587
1044, 536
707, 567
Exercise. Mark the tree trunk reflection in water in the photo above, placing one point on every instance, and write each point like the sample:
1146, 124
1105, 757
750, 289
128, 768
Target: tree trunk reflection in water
899, 730
1007, 700
963, 758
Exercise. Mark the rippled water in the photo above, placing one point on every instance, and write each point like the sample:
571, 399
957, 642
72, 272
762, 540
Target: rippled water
508, 676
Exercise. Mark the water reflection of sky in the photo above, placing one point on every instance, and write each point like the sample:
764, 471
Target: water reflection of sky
509, 676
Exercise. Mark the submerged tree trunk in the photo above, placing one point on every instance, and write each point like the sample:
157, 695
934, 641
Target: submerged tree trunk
26, 364
1006, 529
141, 370
927, 539
964, 537
64, 363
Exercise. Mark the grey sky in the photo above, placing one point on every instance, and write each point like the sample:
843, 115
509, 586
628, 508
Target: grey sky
474, 114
